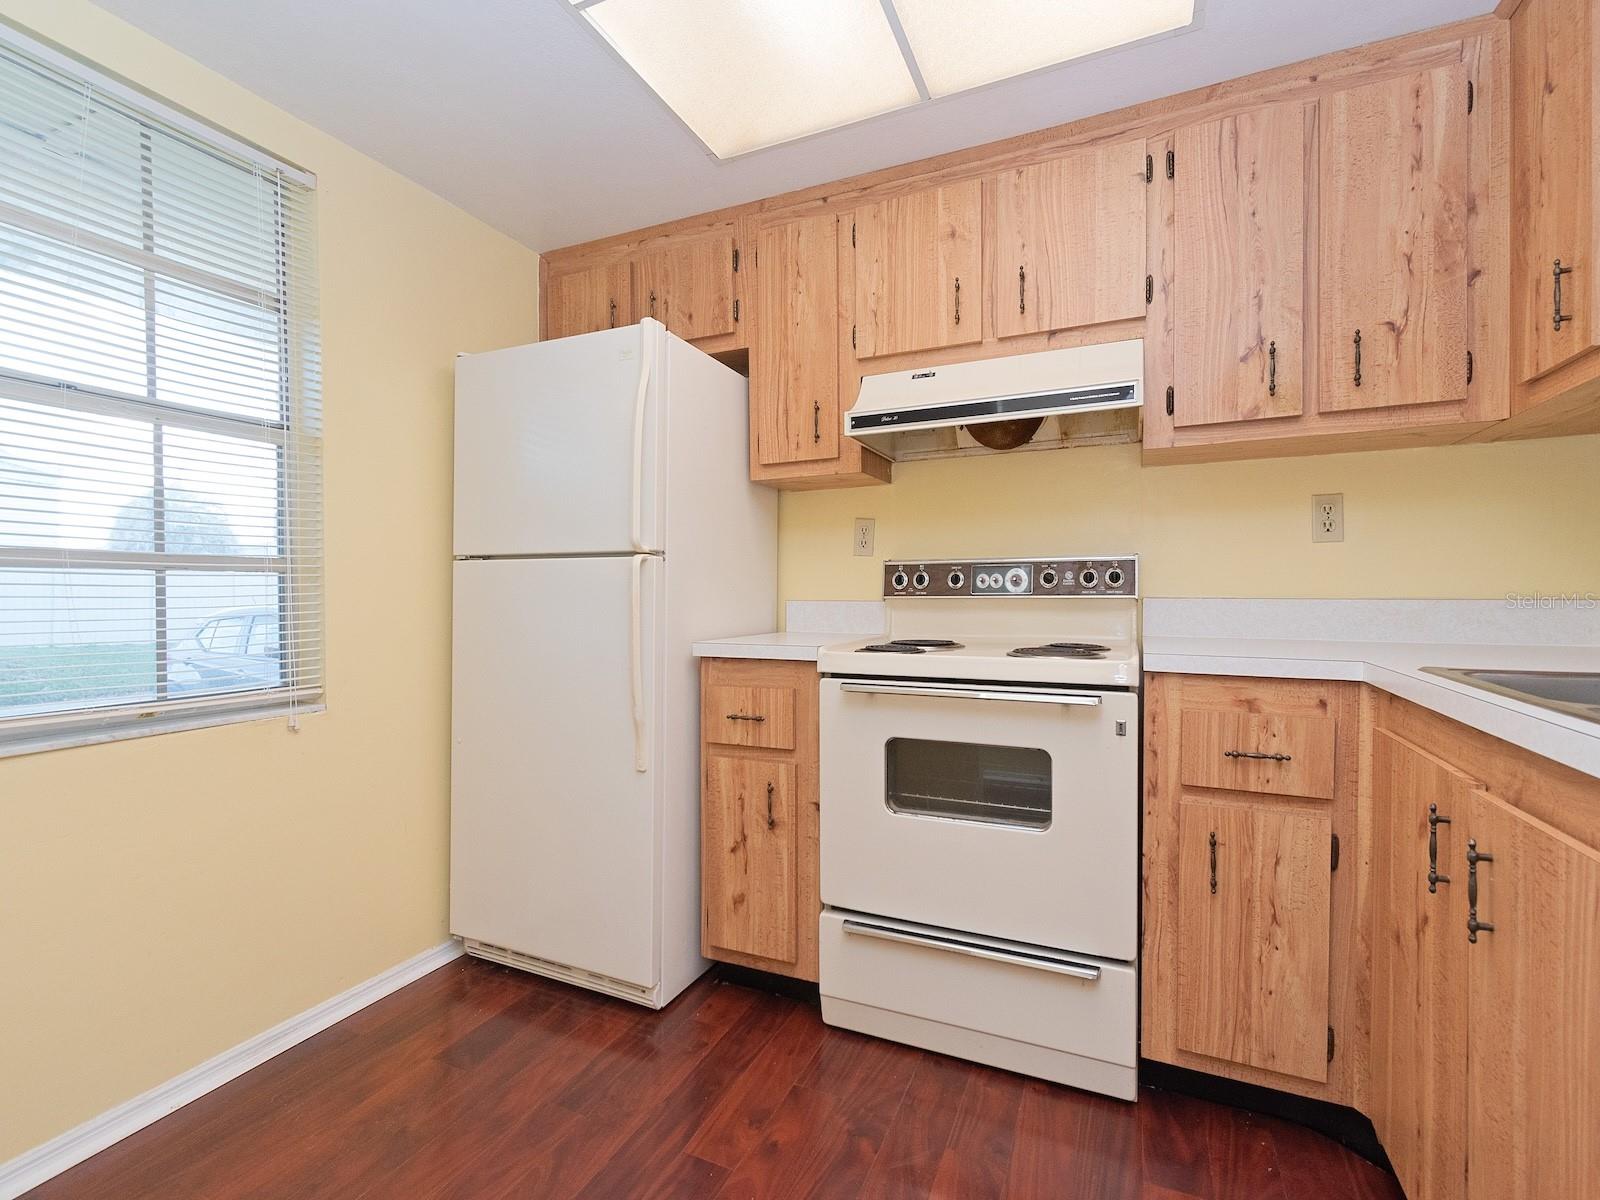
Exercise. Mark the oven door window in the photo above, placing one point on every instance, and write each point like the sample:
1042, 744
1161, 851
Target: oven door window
963, 781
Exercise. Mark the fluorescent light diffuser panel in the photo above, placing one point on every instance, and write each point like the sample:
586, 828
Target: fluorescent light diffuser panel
961, 44
743, 74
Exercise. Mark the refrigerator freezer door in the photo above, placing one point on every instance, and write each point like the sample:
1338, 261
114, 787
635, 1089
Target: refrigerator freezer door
553, 824
557, 445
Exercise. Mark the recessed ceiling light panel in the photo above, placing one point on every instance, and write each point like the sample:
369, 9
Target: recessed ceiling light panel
743, 74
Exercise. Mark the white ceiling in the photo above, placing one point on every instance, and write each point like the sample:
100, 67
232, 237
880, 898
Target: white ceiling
516, 110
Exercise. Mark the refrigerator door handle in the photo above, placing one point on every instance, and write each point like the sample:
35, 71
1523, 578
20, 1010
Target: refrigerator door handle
647, 347
641, 759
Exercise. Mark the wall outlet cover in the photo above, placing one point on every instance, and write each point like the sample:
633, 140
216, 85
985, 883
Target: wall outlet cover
862, 539
1327, 517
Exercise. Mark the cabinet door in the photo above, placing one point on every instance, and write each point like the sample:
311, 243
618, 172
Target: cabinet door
748, 851
584, 301
1253, 928
1553, 114
918, 271
794, 361
687, 284
1419, 996
1069, 241
1238, 273
1394, 170
1533, 1083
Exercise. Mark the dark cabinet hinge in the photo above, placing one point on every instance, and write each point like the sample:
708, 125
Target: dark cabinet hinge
736, 260
1330, 1043
1149, 288
1470, 96
735, 310
1172, 160
1469, 366
1169, 400
1333, 854
1149, 168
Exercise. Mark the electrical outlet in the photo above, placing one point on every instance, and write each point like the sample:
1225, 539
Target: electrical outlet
861, 542
1327, 517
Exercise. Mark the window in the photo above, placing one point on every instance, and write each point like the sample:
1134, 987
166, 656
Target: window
160, 426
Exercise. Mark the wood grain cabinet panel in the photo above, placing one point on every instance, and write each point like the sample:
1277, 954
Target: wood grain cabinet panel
688, 284
1419, 998
1069, 241
749, 853
794, 362
586, 300
748, 716
1533, 1059
1394, 165
1238, 271
1258, 752
918, 271
1254, 919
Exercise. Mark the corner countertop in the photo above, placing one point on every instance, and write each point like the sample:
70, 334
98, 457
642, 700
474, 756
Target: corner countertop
1396, 667
796, 647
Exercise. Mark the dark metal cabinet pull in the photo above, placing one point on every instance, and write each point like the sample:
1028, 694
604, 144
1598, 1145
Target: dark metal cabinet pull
1475, 926
1272, 368
1434, 821
1022, 289
1258, 754
613, 318
771, 824
1358, 358
958, 299
1212, 841
652, 303
816, 420
744, 717
1556, 273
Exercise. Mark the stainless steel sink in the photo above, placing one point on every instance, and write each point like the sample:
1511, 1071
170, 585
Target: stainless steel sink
1576, 693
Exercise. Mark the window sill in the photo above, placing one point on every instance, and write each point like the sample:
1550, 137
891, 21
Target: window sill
114, 729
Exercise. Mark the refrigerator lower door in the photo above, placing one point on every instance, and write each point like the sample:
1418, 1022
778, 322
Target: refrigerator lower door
556, 445
554, 824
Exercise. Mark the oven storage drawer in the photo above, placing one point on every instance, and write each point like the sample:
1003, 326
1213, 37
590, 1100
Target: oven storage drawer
1041, 1003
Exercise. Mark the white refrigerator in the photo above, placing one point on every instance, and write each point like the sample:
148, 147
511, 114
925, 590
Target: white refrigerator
604, 521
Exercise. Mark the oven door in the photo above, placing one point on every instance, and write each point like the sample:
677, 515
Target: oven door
1007, 811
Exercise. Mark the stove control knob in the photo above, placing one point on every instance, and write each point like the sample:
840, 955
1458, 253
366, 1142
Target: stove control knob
1047, 577
1088, 577
1016, 580
957, 581
1114, 577
899, 581
919, 580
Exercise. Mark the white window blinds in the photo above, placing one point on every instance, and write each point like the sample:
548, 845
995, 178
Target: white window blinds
160, 429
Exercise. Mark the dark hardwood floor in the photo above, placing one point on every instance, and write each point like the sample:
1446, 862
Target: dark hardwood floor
478, 1081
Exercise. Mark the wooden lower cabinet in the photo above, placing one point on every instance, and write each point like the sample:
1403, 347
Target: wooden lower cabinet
759, 814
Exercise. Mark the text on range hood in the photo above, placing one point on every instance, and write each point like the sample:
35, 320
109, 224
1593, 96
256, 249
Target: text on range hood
1050, 383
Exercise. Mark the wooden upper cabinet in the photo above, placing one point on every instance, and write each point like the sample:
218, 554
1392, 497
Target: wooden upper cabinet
587, 300
1069, 241
918, 271
688, 284
1533, 1087
1254, 922
1554, 104
1394, 165
794, 359
1419, 999
1238, 266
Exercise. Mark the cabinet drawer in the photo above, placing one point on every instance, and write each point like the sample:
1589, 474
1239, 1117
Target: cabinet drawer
733, 715
1256, 752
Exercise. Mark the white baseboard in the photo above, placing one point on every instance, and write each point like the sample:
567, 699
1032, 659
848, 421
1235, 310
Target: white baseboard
33, 1167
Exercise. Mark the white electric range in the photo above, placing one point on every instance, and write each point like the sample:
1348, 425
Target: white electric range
980, 817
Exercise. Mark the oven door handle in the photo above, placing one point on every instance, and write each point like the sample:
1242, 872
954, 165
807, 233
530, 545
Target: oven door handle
1078, 699
1042, 960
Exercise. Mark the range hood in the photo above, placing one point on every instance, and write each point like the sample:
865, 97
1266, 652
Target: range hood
930, 412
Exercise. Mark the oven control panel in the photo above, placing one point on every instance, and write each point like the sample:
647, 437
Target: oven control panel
948, 578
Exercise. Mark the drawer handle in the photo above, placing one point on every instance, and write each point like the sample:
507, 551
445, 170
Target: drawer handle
1258, 755
1358, 358
771, 824
745, 717
1556, 273
1434, 821
1475, 926
1055, 964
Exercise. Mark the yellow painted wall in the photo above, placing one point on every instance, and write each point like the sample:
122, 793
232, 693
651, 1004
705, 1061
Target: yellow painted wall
163, 899
1452, 521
